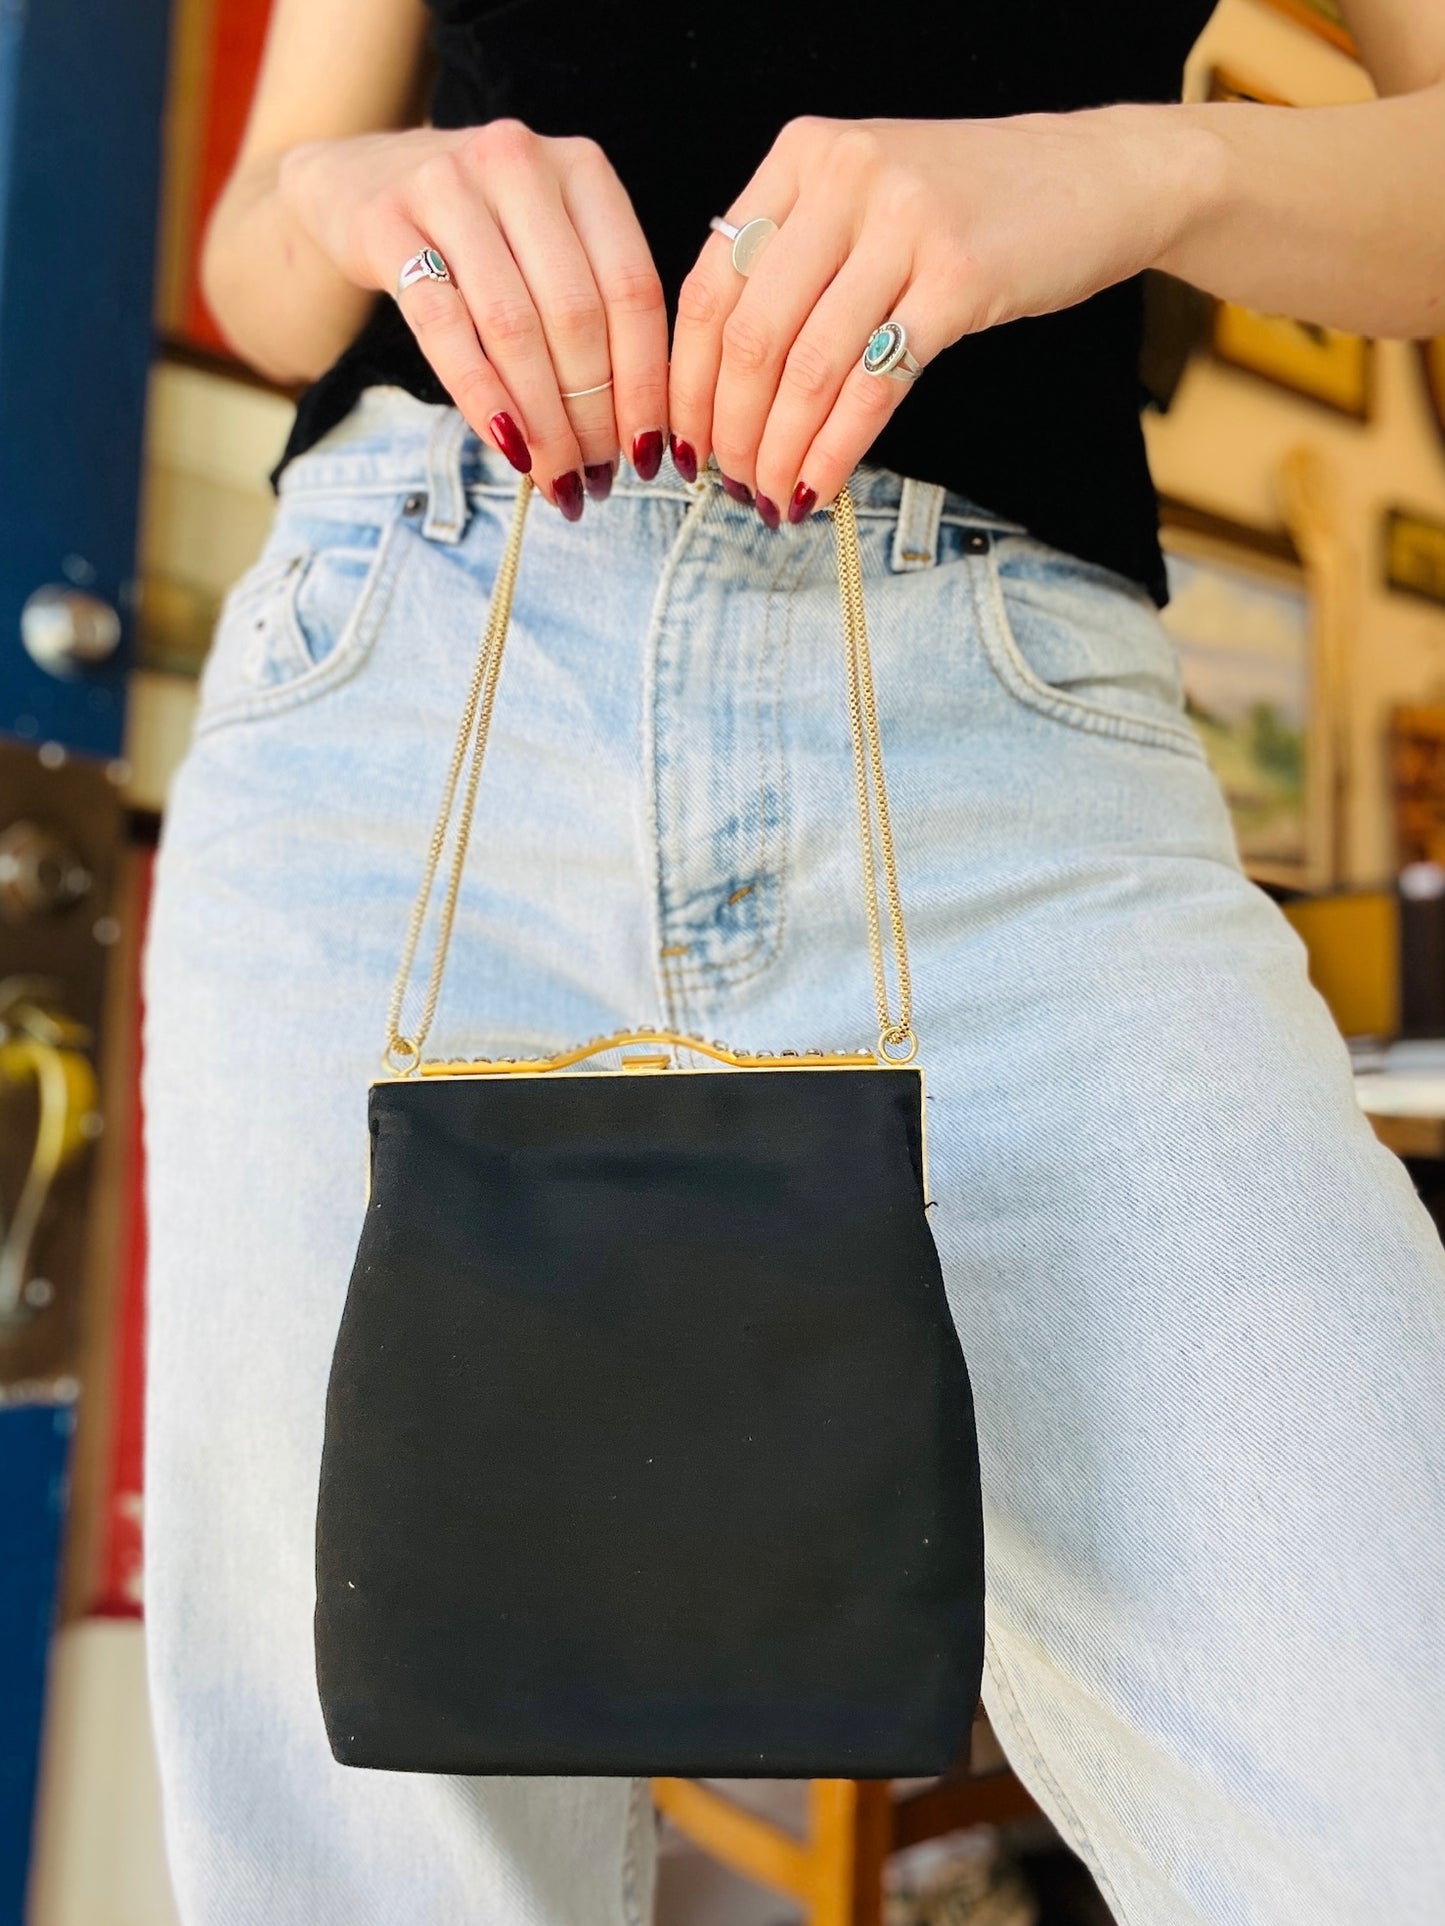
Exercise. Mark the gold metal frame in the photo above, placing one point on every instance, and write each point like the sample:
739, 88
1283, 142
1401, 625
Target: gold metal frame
659, 1059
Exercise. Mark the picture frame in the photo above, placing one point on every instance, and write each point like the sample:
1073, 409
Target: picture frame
1412, 554
1417, 781
1246, 618
1432, 367
1323, 365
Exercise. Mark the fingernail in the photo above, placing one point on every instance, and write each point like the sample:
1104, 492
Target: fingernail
769, 511
739, 491
567, 490
508, 437
803, 502
599, 479
684, 459
647, 453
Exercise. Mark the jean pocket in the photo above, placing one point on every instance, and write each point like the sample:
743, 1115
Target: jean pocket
1082, 646
304, 616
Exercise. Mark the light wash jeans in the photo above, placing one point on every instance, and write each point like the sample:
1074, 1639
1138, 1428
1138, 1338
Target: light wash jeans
1203, 1309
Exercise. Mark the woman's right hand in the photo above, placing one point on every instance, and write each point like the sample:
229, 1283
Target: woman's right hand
553, 285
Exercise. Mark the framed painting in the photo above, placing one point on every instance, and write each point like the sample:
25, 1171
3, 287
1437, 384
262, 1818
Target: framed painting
1243, 617
1417, 781
1432, 366
1413, 554
1322, 364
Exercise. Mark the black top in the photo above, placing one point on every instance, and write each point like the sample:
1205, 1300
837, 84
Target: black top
1037, 420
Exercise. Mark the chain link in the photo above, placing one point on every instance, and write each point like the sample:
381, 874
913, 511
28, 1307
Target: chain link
403, 1053
896, 1039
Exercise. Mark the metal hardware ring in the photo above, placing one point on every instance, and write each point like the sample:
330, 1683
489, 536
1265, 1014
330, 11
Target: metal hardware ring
748, 241
425, 265
887, 353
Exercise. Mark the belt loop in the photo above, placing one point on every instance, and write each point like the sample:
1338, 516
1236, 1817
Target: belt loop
915, 538
446, 494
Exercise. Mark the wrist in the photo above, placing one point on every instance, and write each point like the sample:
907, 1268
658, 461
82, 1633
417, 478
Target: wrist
1174, 164
294, 168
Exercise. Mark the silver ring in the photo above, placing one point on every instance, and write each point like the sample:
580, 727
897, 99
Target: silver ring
426, 265
887, 353
576, 394
748, 241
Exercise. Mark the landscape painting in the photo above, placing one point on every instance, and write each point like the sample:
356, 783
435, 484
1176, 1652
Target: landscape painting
1242, 623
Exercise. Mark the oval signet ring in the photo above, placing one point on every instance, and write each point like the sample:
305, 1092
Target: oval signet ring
748, 241
425, 265
888, 353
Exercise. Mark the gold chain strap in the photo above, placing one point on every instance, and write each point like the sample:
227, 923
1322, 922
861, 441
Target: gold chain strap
896, 1039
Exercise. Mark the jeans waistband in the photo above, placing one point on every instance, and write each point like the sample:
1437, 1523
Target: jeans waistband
390, 440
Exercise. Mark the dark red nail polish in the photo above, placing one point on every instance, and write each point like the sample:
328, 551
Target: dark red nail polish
803, 502
508, 437
684, 459
739, 491
568, 492
769, 511
647, 453
599, 479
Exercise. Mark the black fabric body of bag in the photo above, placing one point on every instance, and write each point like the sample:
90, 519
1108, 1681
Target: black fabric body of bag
650, 1464
649, 1442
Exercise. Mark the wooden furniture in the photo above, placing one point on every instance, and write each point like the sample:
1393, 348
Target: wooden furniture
1405, 1101
835, 1871
1411, 1136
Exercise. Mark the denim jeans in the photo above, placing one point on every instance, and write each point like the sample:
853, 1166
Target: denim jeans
1203, 1309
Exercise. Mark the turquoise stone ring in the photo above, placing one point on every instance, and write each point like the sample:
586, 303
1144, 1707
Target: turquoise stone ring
887, 353
425, 265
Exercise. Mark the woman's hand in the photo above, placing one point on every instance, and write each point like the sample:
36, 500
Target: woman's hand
946, 226
553, 286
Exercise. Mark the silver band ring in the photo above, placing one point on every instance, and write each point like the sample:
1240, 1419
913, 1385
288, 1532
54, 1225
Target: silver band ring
887, 353
426, 265
576, 394
748, 241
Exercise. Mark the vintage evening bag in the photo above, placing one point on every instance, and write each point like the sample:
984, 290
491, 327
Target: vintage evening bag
649, 1444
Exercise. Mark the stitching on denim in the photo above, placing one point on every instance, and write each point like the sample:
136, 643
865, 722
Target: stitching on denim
410, 484
1078, 1837
766, 947
700, 974
652, 667
690, 491
685, 493
1011, 667
631, 1899
915, 536
353, 646
290, 610
260, 582
447, 505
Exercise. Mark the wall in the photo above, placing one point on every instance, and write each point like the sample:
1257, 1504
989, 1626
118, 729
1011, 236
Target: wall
1221, 442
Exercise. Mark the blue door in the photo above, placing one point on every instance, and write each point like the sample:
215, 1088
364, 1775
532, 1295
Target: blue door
81, 93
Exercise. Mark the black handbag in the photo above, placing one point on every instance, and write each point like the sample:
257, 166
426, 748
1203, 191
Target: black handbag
649, 1442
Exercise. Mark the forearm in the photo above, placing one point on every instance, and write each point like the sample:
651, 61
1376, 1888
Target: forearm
281, 302
1330, 214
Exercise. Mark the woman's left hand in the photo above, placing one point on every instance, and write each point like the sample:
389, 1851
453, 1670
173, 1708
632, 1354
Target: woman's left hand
946, 226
